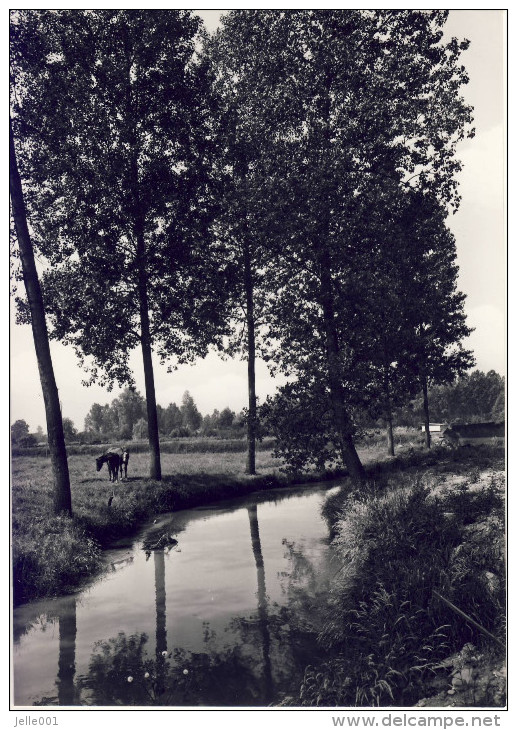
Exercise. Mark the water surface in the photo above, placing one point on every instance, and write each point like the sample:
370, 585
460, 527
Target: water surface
226, 617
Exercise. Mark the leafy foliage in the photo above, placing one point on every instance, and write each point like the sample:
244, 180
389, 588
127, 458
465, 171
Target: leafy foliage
117, 420
300, 418
121, 154
475, 397
191, 416
115, 110
294, 174
352, 114
69, 429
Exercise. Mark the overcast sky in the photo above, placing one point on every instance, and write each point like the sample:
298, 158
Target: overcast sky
479, 228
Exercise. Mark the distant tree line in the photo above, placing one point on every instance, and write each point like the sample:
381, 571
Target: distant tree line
125, 419
20, 435
474, 398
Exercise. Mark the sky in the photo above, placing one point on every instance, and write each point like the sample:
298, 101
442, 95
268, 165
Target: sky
479, 227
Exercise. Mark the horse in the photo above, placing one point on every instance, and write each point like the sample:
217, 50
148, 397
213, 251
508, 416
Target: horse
124, 463
114, 462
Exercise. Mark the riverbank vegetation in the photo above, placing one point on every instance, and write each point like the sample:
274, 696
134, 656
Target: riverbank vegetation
416, 611
415, 607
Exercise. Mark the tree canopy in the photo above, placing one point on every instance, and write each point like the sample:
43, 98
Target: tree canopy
115, 111
358, 111
300, 165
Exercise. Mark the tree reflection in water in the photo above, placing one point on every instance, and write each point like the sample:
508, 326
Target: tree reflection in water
286, 634
259, 661
66, 664
66, 616
120, 674
161, 624
262, 604
266, 662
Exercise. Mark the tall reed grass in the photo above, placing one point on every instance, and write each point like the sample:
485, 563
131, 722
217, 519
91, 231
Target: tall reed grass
400, 541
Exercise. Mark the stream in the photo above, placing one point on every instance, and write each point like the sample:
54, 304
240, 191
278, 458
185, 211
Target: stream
227, 616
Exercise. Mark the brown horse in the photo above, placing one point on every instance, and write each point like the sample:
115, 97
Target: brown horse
114, 462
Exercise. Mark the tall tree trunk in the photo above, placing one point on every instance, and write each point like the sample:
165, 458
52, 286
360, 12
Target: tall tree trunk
250, 327
155, 468
241, 172
423, 381
56, 438
389, 418
389, 435
341, 419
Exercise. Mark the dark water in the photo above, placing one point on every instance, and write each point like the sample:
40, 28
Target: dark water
227, 617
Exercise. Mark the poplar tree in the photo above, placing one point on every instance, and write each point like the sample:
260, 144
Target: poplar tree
115, 107
242, 135
434, 316
360, 106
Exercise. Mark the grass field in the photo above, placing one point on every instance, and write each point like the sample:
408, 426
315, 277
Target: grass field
37, 470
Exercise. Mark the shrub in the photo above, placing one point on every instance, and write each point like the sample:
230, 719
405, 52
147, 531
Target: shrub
469, 505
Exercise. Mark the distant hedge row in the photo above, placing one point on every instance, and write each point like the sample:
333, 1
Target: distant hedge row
174, 446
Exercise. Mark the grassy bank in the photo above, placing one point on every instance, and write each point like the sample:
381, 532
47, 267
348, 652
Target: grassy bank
420, 555
53, 555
